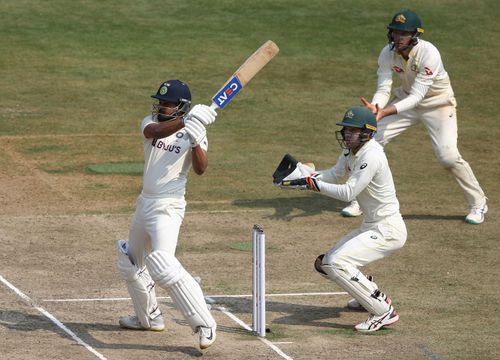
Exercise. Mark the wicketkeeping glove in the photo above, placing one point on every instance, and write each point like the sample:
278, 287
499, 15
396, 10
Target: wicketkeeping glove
196, 131
203, 113
310, 182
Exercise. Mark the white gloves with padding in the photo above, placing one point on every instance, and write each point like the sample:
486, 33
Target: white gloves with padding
203, 113
196, 131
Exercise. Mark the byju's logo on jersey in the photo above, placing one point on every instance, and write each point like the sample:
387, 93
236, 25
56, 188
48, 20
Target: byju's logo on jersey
167, 147
227, 92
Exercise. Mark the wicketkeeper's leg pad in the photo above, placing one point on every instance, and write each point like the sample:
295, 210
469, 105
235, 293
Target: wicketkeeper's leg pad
186, 293
140, 286
318, 266
358, 286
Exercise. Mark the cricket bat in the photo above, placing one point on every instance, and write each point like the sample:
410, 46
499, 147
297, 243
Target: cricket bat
244, 74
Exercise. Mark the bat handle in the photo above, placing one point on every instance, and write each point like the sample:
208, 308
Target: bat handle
214, 106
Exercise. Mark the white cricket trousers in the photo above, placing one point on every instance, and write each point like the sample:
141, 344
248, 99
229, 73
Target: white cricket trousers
155, 226
441, 124
370, 242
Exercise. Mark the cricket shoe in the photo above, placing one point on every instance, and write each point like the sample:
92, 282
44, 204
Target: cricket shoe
353, 210
132, 322
207, 336
353, 304
375, 322
476, 214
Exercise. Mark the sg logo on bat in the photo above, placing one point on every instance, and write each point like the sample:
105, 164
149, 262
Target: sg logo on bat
227, 92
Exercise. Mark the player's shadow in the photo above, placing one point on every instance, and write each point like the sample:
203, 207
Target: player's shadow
295, 314
288, 208
433, 217
19, 321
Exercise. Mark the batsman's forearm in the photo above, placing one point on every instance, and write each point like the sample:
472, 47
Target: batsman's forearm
163, 129
200, 160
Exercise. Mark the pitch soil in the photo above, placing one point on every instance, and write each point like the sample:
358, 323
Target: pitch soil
73, 257
58, 238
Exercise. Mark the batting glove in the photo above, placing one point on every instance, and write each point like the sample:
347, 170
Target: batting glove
196, 131
203, 113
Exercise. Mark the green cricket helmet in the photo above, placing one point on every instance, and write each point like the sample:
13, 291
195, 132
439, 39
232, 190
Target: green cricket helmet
405, 20
357, 117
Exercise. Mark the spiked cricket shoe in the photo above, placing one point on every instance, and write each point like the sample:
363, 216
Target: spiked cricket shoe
353, 210
374, 322
476, 215
207, 336
132, 322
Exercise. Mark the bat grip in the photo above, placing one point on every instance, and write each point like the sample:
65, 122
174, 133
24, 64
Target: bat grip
214, 106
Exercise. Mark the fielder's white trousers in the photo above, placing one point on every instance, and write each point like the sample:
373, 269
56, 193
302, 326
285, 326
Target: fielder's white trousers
155, 226
370, 242
441, 124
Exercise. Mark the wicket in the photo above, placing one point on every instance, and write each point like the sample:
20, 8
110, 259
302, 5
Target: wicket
259, 281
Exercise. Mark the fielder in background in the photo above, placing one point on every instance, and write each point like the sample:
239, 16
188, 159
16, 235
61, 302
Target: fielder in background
383, 230
425, 95
174, 141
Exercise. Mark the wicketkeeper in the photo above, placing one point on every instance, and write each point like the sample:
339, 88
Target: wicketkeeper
383, 230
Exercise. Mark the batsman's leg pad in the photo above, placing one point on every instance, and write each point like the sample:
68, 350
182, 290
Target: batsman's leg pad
358, 286
186, 293
140, 287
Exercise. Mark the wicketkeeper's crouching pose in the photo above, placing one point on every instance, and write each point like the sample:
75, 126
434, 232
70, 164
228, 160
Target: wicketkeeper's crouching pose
383, 230
174, 140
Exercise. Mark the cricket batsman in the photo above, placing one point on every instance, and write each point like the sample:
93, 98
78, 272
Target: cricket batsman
174, 140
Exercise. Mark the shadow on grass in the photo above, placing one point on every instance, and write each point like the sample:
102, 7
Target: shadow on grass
294, 207
433, 217
314, 204
19, 321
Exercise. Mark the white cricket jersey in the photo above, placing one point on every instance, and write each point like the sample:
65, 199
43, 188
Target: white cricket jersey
370, 182
166, 162
424, 81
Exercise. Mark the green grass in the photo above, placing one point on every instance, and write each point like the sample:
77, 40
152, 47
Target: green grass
89, 68
242, 246
77, 79
123, 168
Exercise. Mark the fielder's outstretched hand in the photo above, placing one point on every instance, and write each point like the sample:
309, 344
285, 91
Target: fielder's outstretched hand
373, 108
203, 113
196, 131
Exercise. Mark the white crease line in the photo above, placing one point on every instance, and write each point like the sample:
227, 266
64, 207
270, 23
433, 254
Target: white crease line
210, 296
245, 326
69, 216
227, 211
48, 315
223, 310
